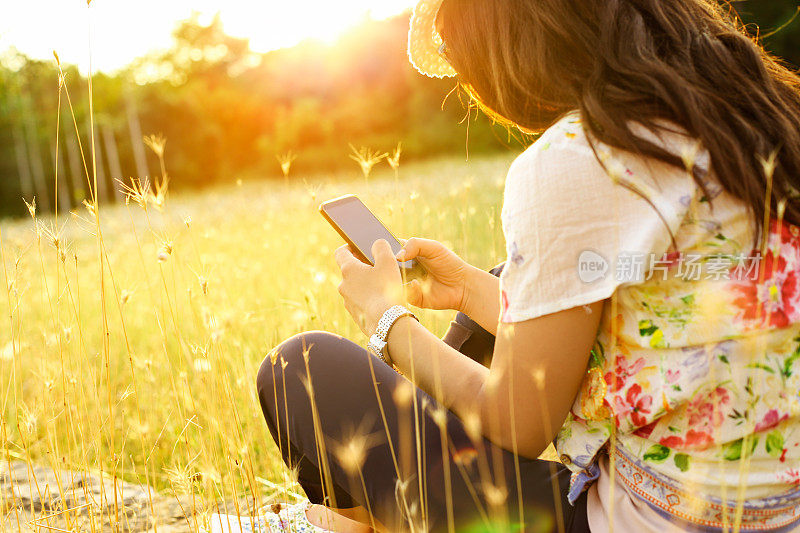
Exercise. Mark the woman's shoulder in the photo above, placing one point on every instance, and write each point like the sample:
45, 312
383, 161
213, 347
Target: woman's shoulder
557, 168
566, 134
568, 160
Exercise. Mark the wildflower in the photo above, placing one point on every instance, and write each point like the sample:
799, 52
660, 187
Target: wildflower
138, 192
403, 393
769, 164
91, 207
353, 453
158, 196
366, 158
180, 478
472, 425
394, 159
286, 161
31, 206
156, 143
439, 416
689, 155
52, 234
28, 420
495, 496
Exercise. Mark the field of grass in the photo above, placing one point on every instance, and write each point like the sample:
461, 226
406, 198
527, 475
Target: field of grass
145, 368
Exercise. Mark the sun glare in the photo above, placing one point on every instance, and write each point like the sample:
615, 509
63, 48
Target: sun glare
123, 31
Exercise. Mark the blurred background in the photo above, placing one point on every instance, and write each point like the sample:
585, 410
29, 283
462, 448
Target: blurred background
231, 86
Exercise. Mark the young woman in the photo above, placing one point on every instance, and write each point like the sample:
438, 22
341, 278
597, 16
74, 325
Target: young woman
647, 319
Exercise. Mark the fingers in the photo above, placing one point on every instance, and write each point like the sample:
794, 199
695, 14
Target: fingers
414, 293
382, 254
344, 257
417, 247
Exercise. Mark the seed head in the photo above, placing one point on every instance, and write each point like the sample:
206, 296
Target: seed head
689, 155
158, 196
156, 143
394, 159
138, 192
495, 496
769, 164
353, 453
91, 207
31, 206
366, 158
286, 161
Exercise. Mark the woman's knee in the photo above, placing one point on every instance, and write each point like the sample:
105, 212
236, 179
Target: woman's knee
285, 365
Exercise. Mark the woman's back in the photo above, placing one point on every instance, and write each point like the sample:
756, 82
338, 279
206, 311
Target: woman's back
695, 375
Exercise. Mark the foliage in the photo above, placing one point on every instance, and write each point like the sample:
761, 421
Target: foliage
228, 112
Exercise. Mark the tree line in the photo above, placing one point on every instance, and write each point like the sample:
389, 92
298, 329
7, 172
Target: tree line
227, 112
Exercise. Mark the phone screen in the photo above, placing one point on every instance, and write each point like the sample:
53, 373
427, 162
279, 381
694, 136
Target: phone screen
361, 226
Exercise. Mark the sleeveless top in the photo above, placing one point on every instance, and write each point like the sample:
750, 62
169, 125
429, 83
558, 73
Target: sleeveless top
693, 385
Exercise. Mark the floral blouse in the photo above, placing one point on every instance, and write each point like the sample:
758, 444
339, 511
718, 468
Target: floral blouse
693, 383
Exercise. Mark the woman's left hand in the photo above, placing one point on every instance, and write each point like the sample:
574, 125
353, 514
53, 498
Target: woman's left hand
368, 291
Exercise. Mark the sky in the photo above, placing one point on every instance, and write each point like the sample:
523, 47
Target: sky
122, 30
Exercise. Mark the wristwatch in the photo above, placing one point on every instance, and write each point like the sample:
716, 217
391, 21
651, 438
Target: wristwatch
377, 342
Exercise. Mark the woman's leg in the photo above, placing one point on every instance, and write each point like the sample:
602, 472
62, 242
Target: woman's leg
371, 438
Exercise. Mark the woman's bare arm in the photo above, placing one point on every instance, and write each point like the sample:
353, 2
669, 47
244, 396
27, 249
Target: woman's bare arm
522, 400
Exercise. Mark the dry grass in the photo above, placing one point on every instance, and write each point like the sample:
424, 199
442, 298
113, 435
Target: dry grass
130, 335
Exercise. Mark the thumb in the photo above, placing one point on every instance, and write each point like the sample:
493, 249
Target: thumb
382, 253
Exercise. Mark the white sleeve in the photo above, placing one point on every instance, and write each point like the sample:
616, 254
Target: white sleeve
563, 210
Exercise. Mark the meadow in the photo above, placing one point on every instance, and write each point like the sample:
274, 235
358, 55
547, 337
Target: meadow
130, 346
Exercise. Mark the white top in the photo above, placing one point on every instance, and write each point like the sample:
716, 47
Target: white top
562, 207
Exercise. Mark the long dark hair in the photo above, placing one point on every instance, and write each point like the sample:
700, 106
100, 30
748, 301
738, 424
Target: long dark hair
689, 62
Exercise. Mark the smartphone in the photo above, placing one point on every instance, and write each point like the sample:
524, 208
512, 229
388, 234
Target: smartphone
360, 228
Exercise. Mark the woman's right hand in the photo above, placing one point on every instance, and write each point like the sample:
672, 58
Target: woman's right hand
445, 287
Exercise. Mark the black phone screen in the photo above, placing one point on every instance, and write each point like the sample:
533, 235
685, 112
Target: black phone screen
362, 227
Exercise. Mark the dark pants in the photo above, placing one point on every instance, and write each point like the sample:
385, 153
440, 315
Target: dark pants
359, 434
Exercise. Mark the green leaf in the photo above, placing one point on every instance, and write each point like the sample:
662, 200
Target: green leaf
724, 359
733, 450
681, 461
657, 453
646, 328
787, 365
688, 300
774, 444
761, 366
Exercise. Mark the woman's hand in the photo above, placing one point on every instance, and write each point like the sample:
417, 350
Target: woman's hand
368, 291
446, 284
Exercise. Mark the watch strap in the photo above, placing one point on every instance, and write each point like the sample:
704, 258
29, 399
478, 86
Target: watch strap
377, 342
